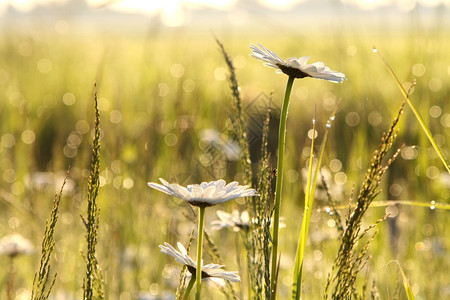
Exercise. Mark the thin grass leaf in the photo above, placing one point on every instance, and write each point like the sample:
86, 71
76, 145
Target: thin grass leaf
431, 205
406, 286
309, 201
416, 113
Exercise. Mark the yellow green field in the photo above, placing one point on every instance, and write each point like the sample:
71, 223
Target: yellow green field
157, 93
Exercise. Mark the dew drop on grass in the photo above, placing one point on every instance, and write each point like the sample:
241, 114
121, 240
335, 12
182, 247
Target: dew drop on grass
433, 205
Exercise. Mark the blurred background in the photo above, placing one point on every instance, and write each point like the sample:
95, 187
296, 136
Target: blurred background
165, 111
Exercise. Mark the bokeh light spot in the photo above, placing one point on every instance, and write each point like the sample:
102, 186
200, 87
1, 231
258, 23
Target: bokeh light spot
352, 119
177, 70
220, 74
409, 152
163, 89
115, 116
82, 126
128, 183
188, 85
418, 70
435, 84
340, 178
28, 137
352, 50
392, 211
312, 133
335, 165
25, 49
8, 140
374, 118
435, 111
44, 65
69, 99
432, 172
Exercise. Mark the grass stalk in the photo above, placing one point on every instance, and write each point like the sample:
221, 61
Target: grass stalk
198, 273
41, 278
93, 283
279, 182
416, 113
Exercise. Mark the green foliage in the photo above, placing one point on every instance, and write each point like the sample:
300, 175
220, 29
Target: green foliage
152, 122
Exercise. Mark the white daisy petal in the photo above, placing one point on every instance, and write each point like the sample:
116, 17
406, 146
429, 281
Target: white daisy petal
196, 191
303, 60
160, 188
205, 193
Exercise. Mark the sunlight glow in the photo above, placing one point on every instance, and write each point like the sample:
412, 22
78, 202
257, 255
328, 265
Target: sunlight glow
26, 5
172, 12
281, 4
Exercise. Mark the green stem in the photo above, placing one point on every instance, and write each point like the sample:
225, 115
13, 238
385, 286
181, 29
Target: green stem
309, 201
198, 272
189, 288
280, 166
417, 115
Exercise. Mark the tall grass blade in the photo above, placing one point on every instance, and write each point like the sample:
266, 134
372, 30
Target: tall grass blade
41, 278
406, 286
416, 113
309, 201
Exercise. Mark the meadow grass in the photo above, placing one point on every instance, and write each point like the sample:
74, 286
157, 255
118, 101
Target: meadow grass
155, 97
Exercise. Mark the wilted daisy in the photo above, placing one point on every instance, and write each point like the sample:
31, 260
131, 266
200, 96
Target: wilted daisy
212, 272
208, 271
296, 67
206, 193
15, 244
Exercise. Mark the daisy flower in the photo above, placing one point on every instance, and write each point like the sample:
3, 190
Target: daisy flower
15, 244
206, 193
235, 220
296, 67
209, 271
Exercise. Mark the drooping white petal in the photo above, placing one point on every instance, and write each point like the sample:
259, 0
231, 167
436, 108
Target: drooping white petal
211, 270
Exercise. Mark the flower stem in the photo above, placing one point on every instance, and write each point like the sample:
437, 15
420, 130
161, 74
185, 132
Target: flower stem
189, 288
198, 272
280, 166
